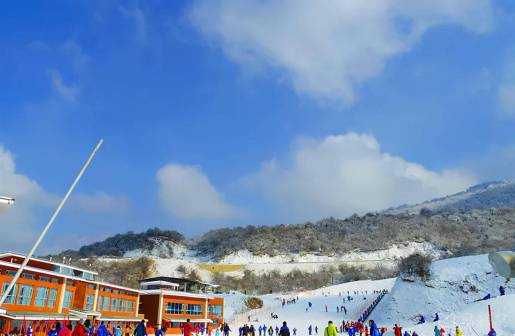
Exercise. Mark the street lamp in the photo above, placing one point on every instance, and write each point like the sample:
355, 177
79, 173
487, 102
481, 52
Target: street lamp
6, 200
47, 226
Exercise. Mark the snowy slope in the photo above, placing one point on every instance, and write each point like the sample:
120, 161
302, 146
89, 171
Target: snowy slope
486, 195
298, 317
455, 284
451, 292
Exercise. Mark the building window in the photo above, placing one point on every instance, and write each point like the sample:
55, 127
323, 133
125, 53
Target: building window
114, 305
10, 273
88, 276
52, 298
41, 296
194, 309
25, 295
121, 307
90, 298
70, 283
106, 303
44, 279
54, 281
28, 276
12, 294
100, 303
215, 310
174, 308
67, 299
92, 286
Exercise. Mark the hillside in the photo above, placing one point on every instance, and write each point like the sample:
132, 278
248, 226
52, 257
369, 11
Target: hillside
480, 219
459, 233
155, 242
482, 196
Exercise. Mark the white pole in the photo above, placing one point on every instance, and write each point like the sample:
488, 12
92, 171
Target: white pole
56, 212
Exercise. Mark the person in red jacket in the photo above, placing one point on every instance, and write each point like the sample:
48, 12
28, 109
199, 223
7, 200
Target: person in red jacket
187, 328
397, 330
65, 330
79, 329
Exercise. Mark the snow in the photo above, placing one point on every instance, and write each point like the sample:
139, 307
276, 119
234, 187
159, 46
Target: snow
282, 263
296, 314
455, 285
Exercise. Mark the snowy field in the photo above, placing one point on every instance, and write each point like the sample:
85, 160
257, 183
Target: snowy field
455, 285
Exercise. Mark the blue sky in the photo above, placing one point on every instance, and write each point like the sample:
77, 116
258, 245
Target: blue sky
224, 113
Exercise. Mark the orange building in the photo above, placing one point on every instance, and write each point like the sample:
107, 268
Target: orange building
170, 302
48, 292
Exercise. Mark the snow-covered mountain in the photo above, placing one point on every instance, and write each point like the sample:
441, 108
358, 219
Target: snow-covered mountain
487, 195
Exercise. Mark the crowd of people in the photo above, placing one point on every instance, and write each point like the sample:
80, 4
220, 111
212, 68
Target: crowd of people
80, 328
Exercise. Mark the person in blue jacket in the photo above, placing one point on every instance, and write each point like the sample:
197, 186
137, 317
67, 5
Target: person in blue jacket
422, 320
141, 329
436, 317
502, 290
374, 331
102, 330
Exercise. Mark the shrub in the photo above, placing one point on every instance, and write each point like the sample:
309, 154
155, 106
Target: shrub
254, 303
415, 265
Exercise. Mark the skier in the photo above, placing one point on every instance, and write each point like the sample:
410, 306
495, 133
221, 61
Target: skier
294, 331
270, 331
330, 330
442, 331
276, 331
285, 331
260, 330
502, 291
406, 333
337, 309
458, 331
487, 297
422, 320
310, 330
326, 308
492, 333
437, 331
397, 331
436, 317
316, 330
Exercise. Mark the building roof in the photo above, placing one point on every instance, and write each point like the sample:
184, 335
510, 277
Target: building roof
176, 293
14, 254
176, 280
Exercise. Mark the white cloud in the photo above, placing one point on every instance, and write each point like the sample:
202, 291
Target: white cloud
67, 91
345, 174
101, 203
185, 192
329, 48
18, 220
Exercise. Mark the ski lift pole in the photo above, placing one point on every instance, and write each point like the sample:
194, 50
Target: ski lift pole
490, 317
54, 216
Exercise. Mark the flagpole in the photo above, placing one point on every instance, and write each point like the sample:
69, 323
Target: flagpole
47, 226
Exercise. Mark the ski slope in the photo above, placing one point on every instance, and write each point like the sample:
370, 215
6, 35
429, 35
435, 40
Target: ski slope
454, 286
300, 316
